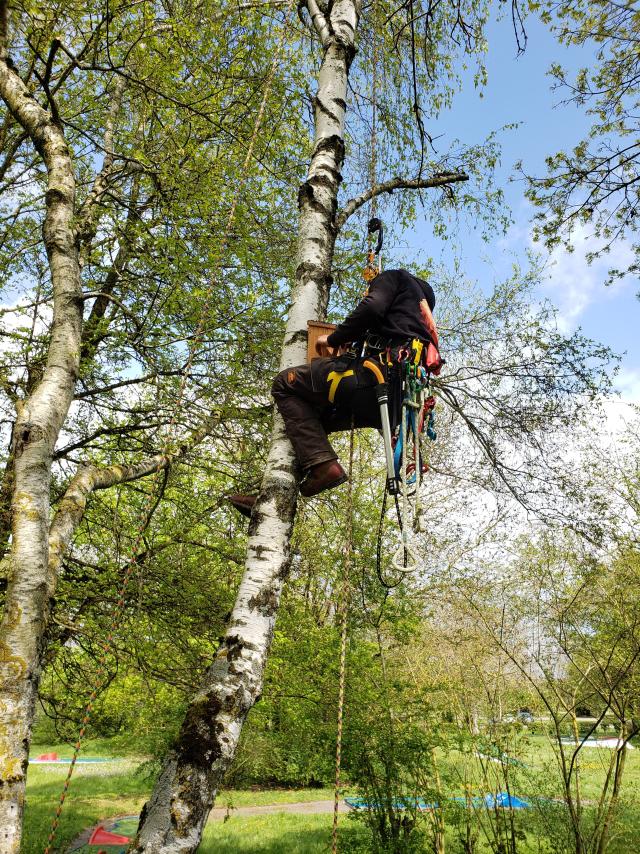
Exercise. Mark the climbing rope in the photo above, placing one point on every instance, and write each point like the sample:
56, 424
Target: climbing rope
100, 675
373, 267
343, 612
406, 559
417, 419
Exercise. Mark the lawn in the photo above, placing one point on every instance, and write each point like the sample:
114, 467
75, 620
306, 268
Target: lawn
122, 785
280, 833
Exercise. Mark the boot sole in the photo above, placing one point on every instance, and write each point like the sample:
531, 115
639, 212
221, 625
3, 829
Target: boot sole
327, 486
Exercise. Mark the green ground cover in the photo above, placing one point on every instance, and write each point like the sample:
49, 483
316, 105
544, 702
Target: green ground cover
122, 785
112, 788
280, 833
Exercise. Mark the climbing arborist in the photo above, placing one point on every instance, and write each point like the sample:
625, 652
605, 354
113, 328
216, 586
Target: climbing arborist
336, 391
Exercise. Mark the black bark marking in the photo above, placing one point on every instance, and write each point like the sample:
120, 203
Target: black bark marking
52, 196
317, 103
344, 22
319, 180
350, 51
333, 143
336, 174
198, 742
283, 572
276, 491
307, 197
236, 645
305, 193
341, 103
30, 434
265, 602
307, 270
285, 501
257, 518
143, 816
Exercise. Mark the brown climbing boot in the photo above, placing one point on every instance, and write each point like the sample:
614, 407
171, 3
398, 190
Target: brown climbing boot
242, 503
323, 476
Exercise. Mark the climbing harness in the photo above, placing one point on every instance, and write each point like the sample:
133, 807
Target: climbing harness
405, 465
150, 501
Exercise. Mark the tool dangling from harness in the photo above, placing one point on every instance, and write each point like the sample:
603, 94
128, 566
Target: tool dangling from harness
369, 273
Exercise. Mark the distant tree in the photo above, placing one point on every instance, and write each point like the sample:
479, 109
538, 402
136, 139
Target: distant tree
569, 625
597, 183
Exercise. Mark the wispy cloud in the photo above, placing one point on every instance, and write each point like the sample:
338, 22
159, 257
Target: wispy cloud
627, 383
574, 284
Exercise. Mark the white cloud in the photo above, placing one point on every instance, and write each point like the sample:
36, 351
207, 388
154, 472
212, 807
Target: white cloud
573, 284
628, 384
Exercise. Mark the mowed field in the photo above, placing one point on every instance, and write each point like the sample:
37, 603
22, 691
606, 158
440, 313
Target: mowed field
121, 785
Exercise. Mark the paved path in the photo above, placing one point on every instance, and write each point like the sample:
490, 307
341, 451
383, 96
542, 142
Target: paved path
303, 808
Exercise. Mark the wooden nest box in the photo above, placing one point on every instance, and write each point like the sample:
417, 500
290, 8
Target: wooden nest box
315, 329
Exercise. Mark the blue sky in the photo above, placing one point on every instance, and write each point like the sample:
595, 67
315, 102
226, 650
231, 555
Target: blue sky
519, 90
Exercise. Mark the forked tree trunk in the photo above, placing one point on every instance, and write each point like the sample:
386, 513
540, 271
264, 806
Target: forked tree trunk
174, 817
38, 423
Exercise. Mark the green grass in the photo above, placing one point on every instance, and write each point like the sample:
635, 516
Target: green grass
122, 786
112, 788
265, 797
97, 791
279, 833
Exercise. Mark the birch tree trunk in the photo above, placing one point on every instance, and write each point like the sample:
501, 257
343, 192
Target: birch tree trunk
174, 817
38, 422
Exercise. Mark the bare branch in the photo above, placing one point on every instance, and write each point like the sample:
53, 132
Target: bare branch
443, 179
87, 218
92, 392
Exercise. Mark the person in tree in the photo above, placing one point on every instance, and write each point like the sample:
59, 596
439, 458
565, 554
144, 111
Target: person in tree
336, 392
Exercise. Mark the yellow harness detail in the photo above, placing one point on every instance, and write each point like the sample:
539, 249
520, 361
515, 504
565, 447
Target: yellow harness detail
334, 378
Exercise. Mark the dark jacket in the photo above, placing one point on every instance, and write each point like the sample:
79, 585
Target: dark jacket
391, 310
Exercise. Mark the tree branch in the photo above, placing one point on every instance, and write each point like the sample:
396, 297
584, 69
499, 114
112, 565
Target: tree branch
87, 219
90, 479
4, 31
439, 179
319, 21
92, 392
110, 298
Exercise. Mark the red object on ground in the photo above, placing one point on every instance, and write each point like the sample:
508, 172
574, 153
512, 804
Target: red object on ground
48, 757
100, 836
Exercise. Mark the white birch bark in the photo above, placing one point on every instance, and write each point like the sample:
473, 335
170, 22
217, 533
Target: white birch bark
173, 819
38, 422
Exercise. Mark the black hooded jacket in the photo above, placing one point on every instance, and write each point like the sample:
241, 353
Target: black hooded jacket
391, 310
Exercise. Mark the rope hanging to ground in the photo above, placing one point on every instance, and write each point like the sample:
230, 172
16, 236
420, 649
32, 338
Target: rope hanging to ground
371, 270
149, 504
343, 611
